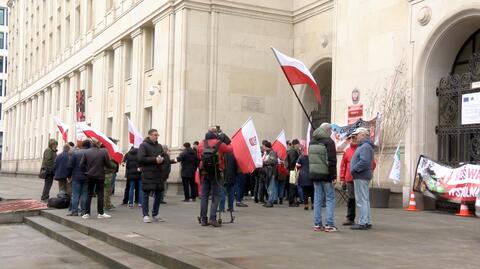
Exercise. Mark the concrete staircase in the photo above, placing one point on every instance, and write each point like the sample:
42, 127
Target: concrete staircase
120, 250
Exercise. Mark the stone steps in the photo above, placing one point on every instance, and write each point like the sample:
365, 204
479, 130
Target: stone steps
148, 249
98, 250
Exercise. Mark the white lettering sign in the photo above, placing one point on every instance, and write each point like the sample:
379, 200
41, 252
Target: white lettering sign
471, 108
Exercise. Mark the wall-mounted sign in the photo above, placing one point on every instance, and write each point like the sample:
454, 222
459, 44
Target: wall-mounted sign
471, 108
355, 96
355, 112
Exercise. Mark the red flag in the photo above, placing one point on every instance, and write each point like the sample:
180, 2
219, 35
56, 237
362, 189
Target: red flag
111, 147
62, 128
297, 73
246, 148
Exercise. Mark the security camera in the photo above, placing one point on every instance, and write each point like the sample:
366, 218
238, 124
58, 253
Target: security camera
154, 88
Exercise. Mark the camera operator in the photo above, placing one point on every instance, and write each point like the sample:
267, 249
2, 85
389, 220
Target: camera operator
210, 154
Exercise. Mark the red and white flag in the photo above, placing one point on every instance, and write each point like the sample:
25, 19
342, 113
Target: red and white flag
62, 127
246, 148
280, 146
111, 147
134, 135
296, 72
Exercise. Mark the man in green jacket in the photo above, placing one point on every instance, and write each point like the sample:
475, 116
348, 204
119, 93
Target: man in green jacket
322, 156
48, 161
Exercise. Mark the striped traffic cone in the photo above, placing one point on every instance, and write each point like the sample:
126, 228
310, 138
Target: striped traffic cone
464, 212
412, 205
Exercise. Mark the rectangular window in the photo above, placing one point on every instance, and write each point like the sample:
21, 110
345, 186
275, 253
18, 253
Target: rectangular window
77, 22
2, 40
111, 67
1, 87
129, 57
5, 88
67, 31
59, 40
1, 64
0, 111
2, 16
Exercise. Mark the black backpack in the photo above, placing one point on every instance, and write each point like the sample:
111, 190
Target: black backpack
210, 157
59, 202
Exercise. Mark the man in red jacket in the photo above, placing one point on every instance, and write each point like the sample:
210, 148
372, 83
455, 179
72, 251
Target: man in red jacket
217, 144
346, 180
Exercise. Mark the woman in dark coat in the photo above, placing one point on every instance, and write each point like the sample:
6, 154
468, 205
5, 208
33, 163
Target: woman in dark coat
304, 180
133, 174
189, 162
151, 158
60, 168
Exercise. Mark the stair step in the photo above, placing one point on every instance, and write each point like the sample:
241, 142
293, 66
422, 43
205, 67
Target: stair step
98, 250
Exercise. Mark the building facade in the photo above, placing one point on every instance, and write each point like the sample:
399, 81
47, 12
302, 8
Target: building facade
3, 64
180, 66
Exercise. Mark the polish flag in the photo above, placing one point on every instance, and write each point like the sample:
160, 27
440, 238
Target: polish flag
246, 148
280, 146
307, 142
62, 128
296, 72
111, 147
134, 135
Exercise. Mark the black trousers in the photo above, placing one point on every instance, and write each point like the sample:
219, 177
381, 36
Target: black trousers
189, 188
95, 185
308, 191
292, 193
46, 187
351, 201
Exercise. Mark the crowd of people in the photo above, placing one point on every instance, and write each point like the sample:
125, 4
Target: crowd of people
304, 177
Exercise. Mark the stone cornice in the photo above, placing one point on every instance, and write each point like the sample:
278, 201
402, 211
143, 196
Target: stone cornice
136, 33
311, 10
117, 45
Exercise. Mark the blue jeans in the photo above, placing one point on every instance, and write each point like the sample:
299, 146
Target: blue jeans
239, 187
280, 188
131, 192
228, 188
300, 193
156, 202
362, 197
272, 190
79, 194
323, 188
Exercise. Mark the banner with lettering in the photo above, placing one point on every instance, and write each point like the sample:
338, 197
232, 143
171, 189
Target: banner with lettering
461, 184
340, 133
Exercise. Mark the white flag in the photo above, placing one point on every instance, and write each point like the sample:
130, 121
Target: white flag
246, 148
395, 172
62, 127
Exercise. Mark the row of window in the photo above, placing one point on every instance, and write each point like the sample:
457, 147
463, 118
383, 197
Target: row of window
3, 16
3, 40
3, 87
3, 64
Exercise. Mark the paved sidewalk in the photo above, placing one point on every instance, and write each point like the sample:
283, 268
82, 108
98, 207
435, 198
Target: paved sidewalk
282, 237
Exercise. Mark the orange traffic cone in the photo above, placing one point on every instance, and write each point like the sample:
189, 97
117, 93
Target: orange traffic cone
412, 205
464, 212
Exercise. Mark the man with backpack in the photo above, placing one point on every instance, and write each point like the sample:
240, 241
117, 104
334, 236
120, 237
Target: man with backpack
210, 154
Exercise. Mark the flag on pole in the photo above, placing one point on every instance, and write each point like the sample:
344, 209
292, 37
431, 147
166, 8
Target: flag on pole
111, 147
62, 128
395, 172
134, 135
246, 148
280, 146
296, 72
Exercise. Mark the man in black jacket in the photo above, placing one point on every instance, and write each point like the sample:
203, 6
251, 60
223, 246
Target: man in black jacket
94, 162
293, 153
189, 163
151, 158
133, 175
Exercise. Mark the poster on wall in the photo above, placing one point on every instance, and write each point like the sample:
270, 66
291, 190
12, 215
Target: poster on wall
471, 108
436, 180
80, 105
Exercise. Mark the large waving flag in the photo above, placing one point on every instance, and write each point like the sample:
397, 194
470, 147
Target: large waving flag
307, 142
246, 148
134, 135
111, 147
280, 146
296, 72
62, 127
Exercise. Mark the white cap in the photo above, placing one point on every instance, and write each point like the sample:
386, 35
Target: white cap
361, 130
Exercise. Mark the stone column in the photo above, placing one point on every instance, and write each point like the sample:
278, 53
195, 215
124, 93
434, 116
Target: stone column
97, 102
118, 128
137, 71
